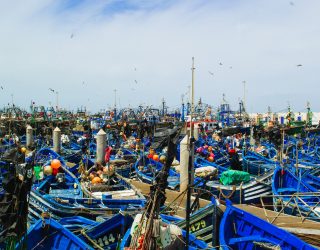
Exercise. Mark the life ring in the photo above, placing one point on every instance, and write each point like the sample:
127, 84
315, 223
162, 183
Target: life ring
234, 188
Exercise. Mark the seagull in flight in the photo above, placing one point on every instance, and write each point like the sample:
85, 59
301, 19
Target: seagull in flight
292, 3
210, 73
299, 65
52, 90
220, 64
72, 35
136, 81
2, 87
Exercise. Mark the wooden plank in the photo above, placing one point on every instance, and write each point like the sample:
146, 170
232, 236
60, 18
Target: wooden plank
283, 220
171, 197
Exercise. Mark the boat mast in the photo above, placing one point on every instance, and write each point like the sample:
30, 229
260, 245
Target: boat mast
192, 100
244, 95
191, 160
115, 105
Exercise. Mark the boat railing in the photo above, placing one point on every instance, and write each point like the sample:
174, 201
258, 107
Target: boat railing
302, 205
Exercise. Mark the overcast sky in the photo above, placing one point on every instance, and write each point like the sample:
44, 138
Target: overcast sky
84, 49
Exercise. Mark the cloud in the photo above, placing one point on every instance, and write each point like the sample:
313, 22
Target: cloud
60, 44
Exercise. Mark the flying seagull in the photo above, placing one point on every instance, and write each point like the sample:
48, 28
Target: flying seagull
136, 81
292, 3
71, 36
52, 90
2, 87
220, 63
210, 73
299, 65
135, 69
230, 67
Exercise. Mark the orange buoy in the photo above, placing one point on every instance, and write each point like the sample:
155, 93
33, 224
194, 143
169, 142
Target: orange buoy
156, 157
55, 164
210, 158
96, 180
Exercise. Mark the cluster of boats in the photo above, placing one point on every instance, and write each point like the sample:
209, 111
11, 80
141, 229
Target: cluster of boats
73, 201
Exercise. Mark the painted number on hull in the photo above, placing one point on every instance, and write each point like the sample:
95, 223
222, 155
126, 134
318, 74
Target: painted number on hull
198, 226
105, 241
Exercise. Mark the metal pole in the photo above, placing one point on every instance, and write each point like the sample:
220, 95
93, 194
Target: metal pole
214, 224
115, 105
191, 160
297, 161
192, 100
188, 207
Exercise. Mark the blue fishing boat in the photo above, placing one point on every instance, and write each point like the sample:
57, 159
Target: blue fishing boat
194, 243
242, 230
77, 223
296, 195
49, 234
243, 193
107, 234
62, 195
257, 164
147, 170
201, 222
114, 192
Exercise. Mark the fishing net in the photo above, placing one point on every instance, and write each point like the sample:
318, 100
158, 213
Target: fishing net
234, 177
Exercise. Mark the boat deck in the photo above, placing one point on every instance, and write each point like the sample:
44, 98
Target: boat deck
307, 230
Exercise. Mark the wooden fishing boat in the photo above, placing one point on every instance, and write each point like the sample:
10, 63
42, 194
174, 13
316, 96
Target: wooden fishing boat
76, 223
256, 164
201, 222
296, 195
242, 230
147, 170
243, 193
107, 234
114, 191
62, 195
49, 234
194, 243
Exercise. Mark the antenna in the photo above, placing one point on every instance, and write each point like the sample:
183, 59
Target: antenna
115, 98
244, 95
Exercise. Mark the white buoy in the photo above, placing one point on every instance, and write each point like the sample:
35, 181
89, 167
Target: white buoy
196, 131
56, 140
184, 162
252, 141
29, 136
101, 145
